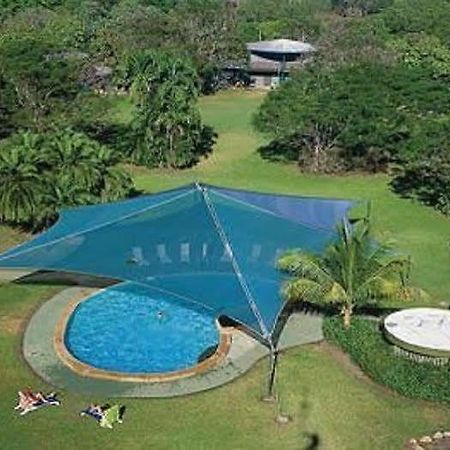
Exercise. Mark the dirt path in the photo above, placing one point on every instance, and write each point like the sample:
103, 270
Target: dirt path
343, 359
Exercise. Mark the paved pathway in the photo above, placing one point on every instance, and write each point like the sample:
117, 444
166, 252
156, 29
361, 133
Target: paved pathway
244, 353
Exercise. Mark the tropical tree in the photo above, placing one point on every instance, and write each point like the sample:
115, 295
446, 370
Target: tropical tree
22, 184
131, 27
43, 173
272, 19
167, 123
75, 157
114, 183
418, 16
353, 271
426, 179
331, 120
421, 50
84, 171
45, 82
7, 100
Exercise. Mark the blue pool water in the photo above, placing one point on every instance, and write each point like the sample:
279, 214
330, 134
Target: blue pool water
120, 329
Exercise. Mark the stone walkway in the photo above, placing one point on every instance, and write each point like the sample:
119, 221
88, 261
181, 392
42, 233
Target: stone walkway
244, 353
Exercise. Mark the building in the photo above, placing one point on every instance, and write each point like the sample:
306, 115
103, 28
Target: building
271, 61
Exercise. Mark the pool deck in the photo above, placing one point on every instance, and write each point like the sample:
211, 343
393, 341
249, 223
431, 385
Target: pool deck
244, 352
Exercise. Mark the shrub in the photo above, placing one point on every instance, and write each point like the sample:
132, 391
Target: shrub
365, 344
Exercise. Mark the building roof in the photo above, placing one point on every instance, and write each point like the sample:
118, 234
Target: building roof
280, 46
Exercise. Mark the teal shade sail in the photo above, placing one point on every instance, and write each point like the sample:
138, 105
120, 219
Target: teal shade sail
213, 246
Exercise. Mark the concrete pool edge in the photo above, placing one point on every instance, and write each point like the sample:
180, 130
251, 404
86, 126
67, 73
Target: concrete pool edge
87, 370
244, 352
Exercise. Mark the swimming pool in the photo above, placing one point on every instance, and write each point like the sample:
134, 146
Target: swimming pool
130, 329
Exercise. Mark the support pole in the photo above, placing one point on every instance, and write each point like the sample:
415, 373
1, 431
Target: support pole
273, 394
273, 372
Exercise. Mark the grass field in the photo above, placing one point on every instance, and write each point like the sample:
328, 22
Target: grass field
327, 398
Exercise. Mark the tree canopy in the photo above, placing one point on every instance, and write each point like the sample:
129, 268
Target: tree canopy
167, 123
374, 97
333, 120
42, 173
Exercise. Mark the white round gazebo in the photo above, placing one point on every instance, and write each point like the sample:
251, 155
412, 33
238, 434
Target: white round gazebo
425, 331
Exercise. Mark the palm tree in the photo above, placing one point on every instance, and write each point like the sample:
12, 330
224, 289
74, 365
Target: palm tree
149, 70
353, 271
114, 181
40, 174
61, 193
167, 123
75, 157
21, 184
86, 172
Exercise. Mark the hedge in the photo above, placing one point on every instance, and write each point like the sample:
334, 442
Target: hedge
365, 344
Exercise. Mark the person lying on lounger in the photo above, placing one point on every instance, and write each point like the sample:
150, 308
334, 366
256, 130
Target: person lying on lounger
34, 397
28, 398
29, 401
94, 411
106, 415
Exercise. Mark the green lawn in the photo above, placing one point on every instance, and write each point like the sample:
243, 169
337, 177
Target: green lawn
325, 397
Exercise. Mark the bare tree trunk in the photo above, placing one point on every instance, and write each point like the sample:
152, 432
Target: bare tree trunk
171, 158
347, 313
316, 154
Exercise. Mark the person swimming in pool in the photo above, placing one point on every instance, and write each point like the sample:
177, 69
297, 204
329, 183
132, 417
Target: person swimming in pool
160, 314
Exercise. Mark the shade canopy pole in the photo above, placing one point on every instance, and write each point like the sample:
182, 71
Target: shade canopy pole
273, 371
247, 292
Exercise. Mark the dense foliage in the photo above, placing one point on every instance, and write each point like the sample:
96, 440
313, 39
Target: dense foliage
369, 100
428, 180
334, 119
359, 7
167, 123
42, 173
212, 33
365, 344
352, 271
38, 80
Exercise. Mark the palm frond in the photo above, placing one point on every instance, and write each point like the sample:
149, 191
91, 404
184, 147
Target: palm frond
305, 265
354, 270
337, 294
303, 289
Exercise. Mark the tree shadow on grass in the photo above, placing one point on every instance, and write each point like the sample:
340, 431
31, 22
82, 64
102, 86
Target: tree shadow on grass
377, 311
313, 441
118, 137
279, 150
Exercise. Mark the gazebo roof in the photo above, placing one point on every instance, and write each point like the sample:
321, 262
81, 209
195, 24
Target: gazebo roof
280, 46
